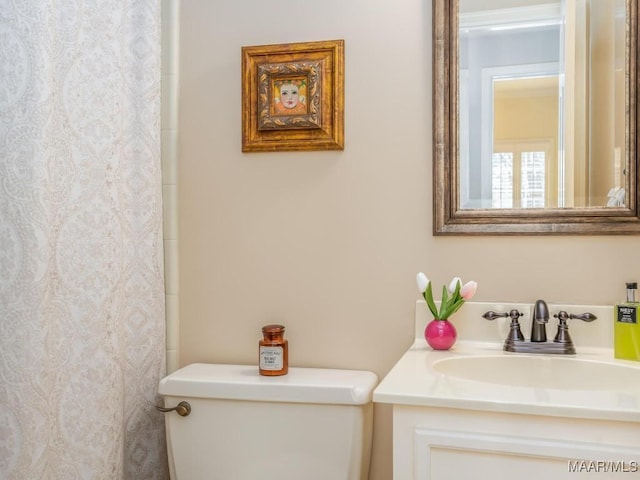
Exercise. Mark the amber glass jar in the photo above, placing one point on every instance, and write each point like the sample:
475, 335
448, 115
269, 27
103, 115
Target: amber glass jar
273, 351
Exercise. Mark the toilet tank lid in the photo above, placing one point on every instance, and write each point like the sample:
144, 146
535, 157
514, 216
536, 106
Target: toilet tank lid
243, 382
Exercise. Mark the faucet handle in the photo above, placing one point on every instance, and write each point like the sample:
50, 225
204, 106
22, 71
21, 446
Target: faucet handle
515, 335
491, 315
563, 329
513, 314
564, 316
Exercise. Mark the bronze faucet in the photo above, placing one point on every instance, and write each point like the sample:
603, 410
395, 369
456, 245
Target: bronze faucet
562, 343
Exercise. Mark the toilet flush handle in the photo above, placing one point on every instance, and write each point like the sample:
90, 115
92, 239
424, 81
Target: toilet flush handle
183, 409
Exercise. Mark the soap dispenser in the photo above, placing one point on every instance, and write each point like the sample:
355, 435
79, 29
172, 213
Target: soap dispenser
626, 330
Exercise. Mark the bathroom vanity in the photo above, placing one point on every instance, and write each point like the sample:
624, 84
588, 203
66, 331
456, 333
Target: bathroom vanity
477, 408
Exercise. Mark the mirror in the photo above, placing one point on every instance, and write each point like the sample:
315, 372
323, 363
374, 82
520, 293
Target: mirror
535, 117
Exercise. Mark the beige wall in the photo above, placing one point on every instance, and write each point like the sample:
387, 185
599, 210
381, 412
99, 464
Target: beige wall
329, 243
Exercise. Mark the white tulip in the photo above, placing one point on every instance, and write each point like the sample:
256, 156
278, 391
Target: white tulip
454, 284
422, 282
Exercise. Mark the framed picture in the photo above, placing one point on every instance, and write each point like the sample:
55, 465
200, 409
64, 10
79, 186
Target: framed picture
293, 97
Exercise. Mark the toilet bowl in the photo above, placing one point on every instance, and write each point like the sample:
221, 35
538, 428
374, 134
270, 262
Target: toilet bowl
311, 424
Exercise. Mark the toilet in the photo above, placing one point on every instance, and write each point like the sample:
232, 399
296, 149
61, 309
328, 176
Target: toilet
311, 424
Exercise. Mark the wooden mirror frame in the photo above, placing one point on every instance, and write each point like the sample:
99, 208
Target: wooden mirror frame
450, 219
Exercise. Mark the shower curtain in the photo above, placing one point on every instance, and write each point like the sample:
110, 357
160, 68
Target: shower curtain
81, 258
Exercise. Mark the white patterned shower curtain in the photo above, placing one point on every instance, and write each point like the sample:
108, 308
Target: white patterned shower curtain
81, 262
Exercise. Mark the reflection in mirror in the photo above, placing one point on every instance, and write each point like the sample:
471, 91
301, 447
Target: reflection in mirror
519, 60
534, 116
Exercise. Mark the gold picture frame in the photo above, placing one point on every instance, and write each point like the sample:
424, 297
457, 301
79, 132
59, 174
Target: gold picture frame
293, 97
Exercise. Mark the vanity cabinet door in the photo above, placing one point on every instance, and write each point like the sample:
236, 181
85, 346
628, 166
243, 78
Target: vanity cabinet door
441, 444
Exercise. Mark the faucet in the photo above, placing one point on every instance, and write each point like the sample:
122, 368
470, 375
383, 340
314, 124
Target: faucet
562, 343
538, 321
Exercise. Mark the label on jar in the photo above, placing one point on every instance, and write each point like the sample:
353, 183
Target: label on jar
271, 358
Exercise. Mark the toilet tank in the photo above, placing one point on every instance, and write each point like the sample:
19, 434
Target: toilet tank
311, 424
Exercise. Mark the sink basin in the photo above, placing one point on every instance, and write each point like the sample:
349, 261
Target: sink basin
540, 372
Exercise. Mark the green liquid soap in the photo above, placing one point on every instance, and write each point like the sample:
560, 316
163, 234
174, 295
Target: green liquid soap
626, 329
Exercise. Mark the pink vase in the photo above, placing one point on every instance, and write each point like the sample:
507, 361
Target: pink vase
440, 334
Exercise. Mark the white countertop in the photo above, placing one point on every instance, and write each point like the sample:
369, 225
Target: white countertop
414, 381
